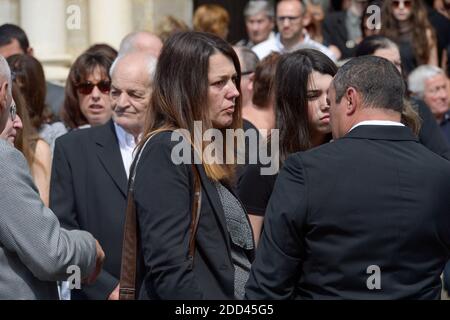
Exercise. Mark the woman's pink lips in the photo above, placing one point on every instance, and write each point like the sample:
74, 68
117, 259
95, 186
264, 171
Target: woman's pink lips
96, 108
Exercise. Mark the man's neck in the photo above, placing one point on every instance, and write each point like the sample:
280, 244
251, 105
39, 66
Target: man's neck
290, 43
372, 114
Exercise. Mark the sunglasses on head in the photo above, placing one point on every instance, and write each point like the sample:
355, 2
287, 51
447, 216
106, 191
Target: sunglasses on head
406, 3
86, 87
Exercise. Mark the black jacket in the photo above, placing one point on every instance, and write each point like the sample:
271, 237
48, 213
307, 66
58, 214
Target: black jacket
88, 192
163, 195
430, 134
376, 197
335, 33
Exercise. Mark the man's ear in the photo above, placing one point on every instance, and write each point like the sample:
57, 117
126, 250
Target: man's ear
3, 96
251, 82
30, 51
352, 97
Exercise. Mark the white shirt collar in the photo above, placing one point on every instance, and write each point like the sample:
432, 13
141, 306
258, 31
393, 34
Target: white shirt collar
377, 123
127, 145
126, 140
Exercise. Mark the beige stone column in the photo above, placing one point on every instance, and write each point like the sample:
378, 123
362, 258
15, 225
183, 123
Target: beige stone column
44, 21
109, 21
9, 11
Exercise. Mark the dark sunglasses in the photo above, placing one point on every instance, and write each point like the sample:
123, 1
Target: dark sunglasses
406, 3
86, 88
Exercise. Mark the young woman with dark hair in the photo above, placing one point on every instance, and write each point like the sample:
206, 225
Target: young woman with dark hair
302, 118
406, 22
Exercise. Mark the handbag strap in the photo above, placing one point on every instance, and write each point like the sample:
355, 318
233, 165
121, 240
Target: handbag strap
130, 241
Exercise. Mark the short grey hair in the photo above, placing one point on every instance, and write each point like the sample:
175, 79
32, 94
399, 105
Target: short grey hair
151, 65
417, 78
255, 7
5, 73
376, 79
249, 58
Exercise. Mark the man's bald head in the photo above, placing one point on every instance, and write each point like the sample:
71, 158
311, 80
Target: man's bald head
141, 41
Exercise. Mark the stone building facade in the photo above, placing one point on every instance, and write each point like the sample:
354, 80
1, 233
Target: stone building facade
59, 30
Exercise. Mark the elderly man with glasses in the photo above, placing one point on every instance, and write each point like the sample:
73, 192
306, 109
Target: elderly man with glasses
34, 250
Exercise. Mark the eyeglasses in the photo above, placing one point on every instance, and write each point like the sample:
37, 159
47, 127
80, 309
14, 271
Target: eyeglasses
290, 19
86, 88
13, 110
407, 4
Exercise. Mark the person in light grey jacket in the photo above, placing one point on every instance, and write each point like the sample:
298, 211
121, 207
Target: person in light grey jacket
34, 251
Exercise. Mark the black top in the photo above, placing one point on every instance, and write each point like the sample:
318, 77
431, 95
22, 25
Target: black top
254, 189
407, 56
375, 198
445, 127
430, 135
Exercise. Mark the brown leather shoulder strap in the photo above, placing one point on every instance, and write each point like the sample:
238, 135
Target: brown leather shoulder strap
130, 240
196, 208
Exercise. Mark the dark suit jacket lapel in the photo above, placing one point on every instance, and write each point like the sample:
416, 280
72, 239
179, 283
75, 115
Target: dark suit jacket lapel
216, 204
108, 151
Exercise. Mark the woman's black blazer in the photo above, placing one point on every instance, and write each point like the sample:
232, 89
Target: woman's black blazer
163, 196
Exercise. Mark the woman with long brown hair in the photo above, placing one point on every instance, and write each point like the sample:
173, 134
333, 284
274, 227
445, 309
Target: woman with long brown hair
406, 22
196, 91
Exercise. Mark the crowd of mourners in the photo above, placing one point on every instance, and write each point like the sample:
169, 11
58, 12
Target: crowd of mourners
349, 99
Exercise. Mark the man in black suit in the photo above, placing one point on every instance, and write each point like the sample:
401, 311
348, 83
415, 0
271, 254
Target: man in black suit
364, 217
90, 169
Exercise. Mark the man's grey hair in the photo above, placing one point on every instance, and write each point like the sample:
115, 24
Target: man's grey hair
255, 7
249, 58
376, 79
151, 65
417, 78
5, 73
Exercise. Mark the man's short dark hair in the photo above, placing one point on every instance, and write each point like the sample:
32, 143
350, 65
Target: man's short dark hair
9, 32
376, 79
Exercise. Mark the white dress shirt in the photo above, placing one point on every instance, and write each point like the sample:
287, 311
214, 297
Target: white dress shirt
377, 123
274, 44
127, 144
